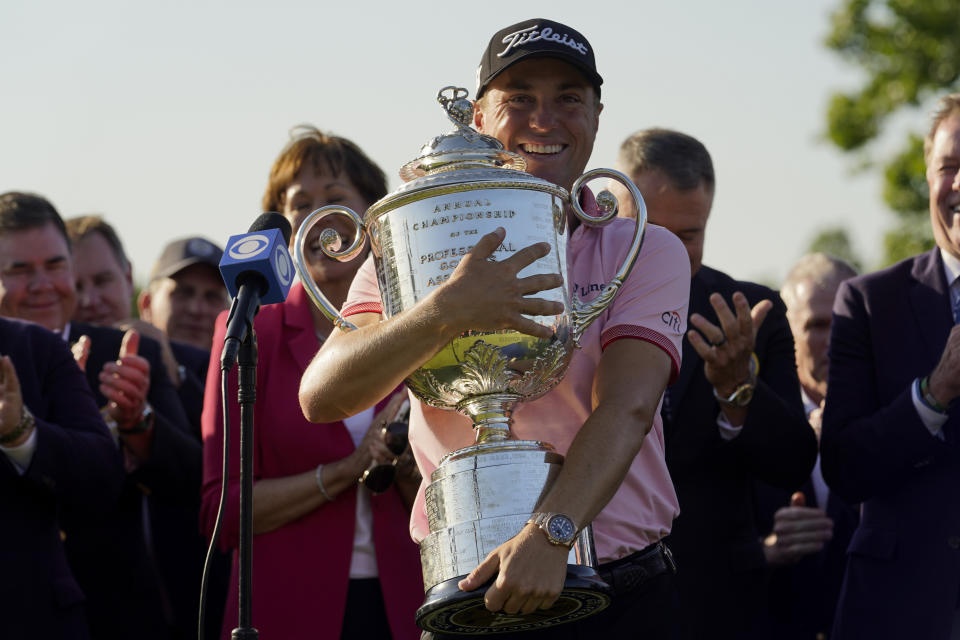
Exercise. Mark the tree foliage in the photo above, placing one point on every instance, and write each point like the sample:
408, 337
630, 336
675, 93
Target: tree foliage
835, 241
910, 53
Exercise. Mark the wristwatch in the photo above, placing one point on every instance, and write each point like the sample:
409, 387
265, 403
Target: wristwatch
144, 424
558, 527
743, 394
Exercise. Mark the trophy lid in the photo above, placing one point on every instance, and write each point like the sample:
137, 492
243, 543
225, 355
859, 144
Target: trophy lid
462, 148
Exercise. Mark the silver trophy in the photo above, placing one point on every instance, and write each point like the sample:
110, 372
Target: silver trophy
462, 186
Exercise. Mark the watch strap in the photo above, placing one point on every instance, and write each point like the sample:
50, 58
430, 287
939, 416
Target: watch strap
745, 388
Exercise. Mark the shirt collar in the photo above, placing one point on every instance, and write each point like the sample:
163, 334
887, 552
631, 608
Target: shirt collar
951, 267
808, 404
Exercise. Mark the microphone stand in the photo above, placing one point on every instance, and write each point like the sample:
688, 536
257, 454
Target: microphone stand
247, 396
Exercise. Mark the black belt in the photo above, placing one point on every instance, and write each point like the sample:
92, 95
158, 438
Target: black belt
631, 572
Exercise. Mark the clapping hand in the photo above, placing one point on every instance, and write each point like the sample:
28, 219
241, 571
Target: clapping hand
11, 401
125, 383
81, 351
726, 350
944, 382
798, 530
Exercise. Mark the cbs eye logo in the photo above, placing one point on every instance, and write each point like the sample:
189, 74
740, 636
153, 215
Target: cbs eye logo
249, 247
284, 267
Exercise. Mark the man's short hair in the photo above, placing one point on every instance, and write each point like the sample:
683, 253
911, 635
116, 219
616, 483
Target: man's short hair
21, 211
323, 152
820, 269
681, 158
84, 226
947, 106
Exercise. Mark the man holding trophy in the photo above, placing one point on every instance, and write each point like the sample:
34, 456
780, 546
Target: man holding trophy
538, 93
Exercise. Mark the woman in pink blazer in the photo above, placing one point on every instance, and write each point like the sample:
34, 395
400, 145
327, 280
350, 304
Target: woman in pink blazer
330, 560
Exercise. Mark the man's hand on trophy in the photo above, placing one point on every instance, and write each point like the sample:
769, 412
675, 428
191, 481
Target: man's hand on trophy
484, 293
529, 571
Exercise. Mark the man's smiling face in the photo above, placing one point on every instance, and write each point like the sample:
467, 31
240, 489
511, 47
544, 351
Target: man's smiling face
943, 177
545, 110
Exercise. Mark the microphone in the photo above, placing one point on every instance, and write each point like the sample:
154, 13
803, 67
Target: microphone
257, 269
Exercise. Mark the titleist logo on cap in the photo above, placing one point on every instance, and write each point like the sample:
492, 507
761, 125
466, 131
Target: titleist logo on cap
530, 34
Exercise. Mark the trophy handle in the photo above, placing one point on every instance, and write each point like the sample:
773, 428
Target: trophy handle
330, 244
584, 313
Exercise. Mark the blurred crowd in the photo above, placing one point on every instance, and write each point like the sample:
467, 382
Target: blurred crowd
807, 435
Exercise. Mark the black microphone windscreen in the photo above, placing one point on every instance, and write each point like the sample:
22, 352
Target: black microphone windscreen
271, 220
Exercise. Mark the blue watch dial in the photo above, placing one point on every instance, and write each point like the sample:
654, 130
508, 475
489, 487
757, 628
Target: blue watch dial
561, 528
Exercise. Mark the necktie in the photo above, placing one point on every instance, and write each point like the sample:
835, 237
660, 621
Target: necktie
955, 296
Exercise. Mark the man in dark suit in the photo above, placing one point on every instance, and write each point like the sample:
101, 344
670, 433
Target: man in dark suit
810, 530
890, 429
57, 456
110, 554
734, 413
105, 297
182, 299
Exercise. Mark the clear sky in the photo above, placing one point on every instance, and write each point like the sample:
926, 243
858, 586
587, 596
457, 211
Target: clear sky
165, 116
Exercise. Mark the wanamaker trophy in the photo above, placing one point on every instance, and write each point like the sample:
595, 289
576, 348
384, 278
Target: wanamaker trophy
461, 187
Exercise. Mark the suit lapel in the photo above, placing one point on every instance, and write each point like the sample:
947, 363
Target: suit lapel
298, 325
930, 302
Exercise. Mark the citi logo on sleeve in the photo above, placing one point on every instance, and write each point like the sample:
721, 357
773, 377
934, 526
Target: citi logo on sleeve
671, 319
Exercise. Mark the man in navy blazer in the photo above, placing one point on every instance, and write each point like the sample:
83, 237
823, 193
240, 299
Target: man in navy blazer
809, 530
57, 456
111, 555
186, 292
890, 429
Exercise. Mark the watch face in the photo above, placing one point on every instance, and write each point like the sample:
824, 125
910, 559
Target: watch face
561, 528
744, 395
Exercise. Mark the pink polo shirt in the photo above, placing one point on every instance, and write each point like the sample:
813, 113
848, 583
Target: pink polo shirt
651, 306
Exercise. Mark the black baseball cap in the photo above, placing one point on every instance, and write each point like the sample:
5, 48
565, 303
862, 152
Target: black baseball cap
182, 253
536, 37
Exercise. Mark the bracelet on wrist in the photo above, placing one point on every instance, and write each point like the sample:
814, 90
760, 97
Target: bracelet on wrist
26, 423
323, 490
928, 398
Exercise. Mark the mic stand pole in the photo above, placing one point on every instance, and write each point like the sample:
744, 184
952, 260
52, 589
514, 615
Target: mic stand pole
246, 395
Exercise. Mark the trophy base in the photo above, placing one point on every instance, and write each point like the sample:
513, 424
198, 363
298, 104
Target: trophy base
447, 609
